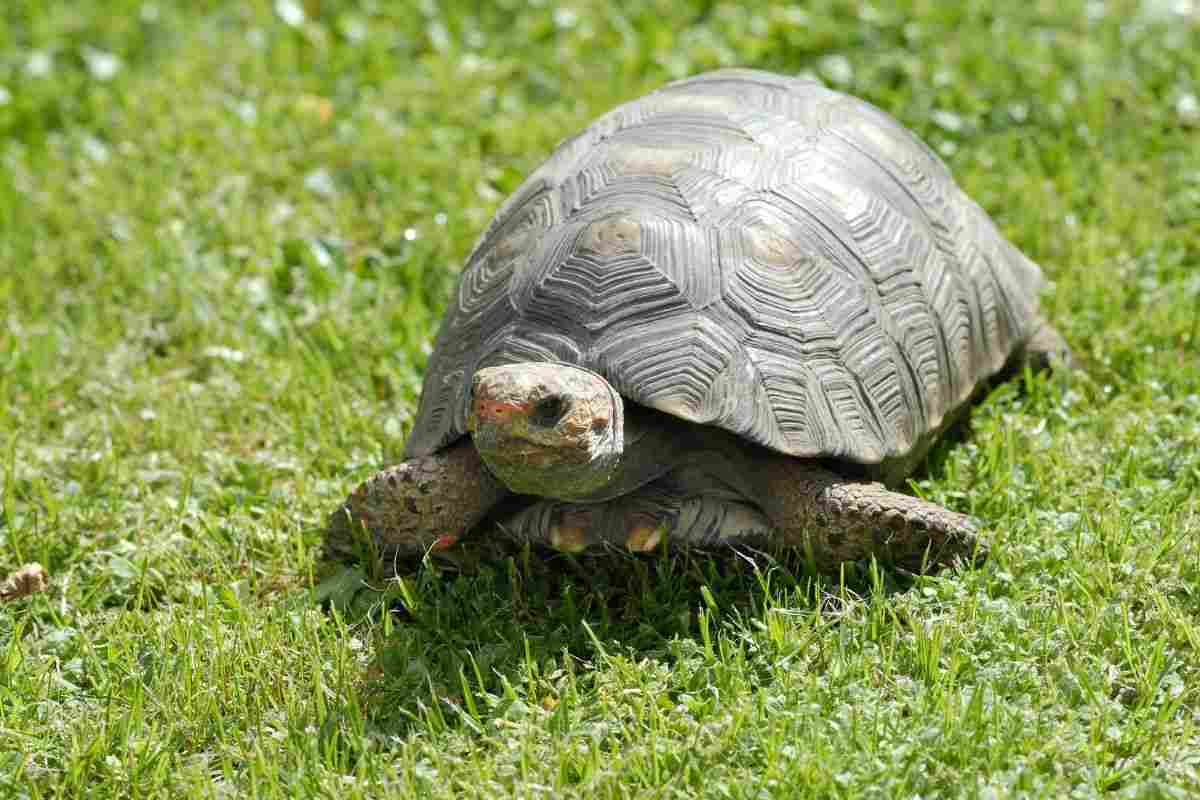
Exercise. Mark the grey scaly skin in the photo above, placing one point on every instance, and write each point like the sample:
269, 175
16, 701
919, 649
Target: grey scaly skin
636, 478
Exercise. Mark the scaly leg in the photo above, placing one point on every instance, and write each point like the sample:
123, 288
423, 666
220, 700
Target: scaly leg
425, 503
838, 519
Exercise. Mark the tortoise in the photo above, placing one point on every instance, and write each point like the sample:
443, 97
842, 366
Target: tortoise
736, 309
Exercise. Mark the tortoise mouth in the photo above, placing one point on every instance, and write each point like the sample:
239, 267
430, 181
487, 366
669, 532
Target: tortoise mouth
547, 429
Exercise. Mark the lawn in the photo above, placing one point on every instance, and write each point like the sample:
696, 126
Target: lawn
227, 231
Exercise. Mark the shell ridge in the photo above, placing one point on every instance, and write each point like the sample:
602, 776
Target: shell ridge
862, 281
948, 370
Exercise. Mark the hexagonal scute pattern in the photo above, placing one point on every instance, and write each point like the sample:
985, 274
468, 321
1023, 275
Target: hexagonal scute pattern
749, 251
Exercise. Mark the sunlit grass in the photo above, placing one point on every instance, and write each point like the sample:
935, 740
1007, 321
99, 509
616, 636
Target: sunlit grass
227, 231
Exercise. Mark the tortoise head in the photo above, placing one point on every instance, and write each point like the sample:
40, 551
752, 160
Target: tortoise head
548, 429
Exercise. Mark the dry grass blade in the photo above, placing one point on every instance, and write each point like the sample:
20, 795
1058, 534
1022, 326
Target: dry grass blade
29, 579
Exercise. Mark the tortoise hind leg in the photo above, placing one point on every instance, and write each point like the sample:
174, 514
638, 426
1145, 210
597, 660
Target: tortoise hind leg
423, 503
1046, 349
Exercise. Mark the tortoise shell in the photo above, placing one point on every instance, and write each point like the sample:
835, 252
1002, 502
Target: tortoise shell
750, 251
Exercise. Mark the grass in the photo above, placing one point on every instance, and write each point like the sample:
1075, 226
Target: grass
227, 231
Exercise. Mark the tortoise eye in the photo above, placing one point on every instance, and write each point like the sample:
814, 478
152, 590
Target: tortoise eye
548, 411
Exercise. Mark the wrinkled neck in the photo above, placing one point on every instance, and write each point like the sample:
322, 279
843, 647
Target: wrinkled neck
657, 443
654, 444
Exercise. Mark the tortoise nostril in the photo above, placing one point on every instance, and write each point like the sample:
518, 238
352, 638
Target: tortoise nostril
548, 412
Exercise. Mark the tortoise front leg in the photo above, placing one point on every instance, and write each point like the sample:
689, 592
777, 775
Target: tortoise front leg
839, 519
642, 521
425, 503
